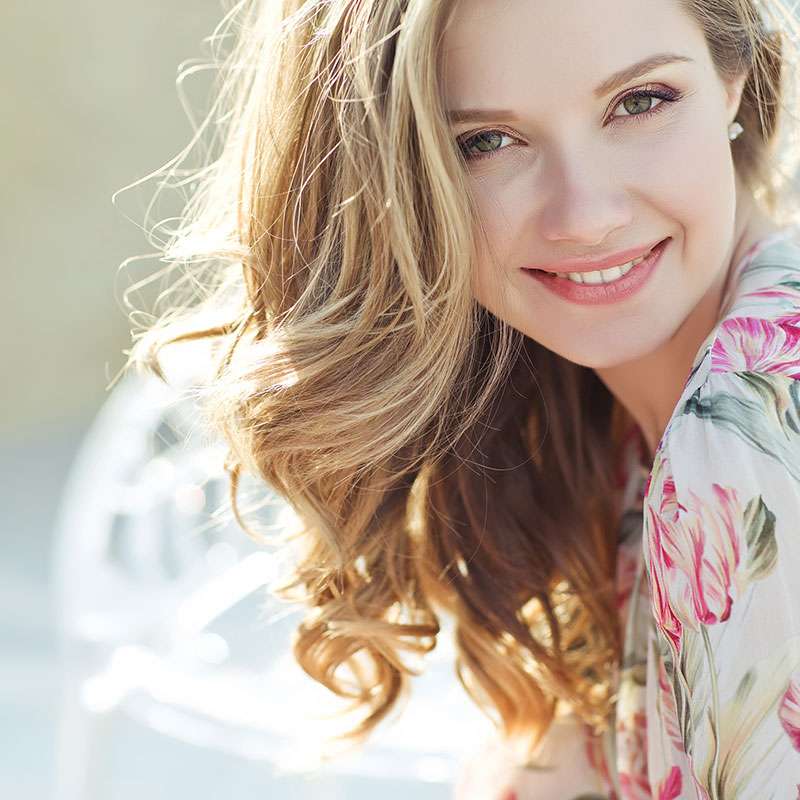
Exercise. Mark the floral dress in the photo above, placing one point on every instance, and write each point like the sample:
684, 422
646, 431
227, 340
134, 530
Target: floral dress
709, 689
708, 575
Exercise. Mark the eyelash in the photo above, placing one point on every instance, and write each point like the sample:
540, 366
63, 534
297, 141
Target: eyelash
664, 94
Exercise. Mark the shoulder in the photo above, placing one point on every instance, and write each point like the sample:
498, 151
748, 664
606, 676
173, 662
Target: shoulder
758, 329
721, 552
759, 325
739, 429
723, 493
720, 547
738, 421
735, 432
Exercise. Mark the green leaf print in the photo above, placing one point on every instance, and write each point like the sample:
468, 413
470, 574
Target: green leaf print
762, 549
695, 690
789, 284
733, 738
769, 405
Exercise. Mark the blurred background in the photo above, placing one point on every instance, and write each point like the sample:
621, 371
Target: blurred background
90, 105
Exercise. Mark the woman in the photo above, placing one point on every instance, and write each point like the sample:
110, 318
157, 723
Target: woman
505, 302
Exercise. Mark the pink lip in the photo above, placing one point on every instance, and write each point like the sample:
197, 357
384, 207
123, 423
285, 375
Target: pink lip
586, 265
603, 293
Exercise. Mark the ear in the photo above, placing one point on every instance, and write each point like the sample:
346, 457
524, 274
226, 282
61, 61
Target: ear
733, 92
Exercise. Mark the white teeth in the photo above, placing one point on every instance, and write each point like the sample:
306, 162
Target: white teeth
603, 275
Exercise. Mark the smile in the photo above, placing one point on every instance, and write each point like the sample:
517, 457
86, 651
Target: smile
603, 275
601, 287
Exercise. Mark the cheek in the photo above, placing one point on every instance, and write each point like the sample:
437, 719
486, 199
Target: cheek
504, 200
695, 177
503, 208
692, 185
487, 276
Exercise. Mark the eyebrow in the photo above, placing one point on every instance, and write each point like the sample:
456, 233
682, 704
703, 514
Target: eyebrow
619, 78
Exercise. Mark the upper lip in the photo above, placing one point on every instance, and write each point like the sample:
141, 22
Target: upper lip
591, 265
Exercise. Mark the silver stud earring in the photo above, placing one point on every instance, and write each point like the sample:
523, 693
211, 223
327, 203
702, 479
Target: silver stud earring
734, 130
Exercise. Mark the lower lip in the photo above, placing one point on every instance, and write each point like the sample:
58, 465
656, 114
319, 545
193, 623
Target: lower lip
602, 293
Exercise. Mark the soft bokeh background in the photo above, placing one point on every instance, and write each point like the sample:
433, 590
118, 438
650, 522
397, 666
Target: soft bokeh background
89, 105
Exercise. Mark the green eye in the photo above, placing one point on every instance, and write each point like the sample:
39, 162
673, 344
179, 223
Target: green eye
485, 142
639, 103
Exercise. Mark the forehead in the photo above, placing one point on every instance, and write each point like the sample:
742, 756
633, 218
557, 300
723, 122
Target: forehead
498, 52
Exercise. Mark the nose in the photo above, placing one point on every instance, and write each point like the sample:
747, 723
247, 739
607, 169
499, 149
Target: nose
585, 203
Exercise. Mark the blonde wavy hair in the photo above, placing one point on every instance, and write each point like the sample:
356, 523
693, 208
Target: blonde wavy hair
433, 454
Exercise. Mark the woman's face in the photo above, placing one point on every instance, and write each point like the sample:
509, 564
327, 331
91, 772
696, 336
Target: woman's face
568, 166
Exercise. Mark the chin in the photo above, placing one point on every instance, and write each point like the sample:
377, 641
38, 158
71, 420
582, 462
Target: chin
612, 356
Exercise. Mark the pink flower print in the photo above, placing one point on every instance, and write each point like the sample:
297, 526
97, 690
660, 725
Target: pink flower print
670, 787
789, 712
761, 345
593, 748
699, 547
632, 757
665, 617
627, 563
779, 293
669, 503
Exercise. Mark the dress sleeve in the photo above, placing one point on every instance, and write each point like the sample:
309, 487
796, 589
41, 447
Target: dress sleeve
722, 557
